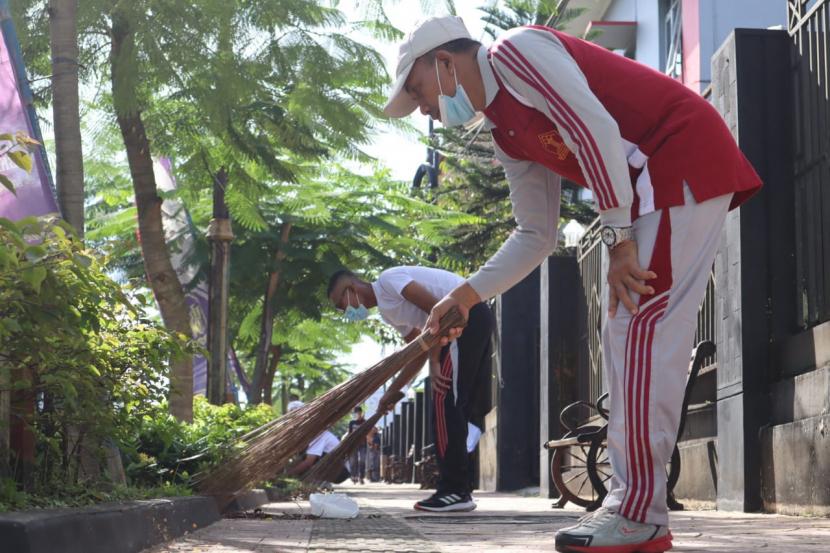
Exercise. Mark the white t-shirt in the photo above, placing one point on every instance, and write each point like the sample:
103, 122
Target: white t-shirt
324, 443
397, 310
473, 435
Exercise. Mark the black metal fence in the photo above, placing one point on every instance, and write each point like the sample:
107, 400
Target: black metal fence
593, 272
809, 22
589, 257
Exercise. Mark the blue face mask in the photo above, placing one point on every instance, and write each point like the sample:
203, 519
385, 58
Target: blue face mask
455, 110
355, 314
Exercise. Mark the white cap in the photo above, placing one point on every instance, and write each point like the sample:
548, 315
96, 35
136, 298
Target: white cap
427, 36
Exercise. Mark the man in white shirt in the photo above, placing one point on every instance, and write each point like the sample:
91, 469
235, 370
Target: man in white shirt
404, 297
323, 444
294, 402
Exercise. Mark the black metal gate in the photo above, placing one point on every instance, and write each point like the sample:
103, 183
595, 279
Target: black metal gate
809, 21
593, 272
589, 257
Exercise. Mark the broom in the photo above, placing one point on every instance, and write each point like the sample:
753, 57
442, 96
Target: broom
270, 447
328, 467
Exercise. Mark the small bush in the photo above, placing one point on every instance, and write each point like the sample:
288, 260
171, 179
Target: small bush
163, 450
78, 356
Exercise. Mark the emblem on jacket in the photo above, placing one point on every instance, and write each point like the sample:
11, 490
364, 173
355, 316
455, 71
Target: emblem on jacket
553, 144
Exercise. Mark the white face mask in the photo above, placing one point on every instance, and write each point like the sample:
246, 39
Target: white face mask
455, 110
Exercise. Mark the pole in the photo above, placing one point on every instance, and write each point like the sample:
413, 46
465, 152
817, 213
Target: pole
220, 236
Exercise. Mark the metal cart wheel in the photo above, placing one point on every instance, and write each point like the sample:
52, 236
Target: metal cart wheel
569, 471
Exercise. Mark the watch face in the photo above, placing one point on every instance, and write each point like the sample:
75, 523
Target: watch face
608, 236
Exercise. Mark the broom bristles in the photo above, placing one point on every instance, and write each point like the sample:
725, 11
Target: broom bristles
330, 465
270, 447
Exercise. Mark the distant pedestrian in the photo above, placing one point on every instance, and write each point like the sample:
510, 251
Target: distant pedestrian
357, 460
294, 402
373, 459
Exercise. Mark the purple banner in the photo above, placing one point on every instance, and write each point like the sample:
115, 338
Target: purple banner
34, 194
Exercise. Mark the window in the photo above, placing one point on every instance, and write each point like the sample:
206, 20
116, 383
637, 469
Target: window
672, 39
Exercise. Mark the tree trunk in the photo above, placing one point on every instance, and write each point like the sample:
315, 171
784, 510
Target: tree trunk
268, 383
163, 280
21, 434
286, 382
268, 314
63, 39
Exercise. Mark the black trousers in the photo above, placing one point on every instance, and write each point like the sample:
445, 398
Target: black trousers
451, 414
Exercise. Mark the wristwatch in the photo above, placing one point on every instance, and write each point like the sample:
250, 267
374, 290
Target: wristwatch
612, 236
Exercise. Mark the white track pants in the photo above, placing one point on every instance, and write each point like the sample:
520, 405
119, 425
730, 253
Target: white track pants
646, 356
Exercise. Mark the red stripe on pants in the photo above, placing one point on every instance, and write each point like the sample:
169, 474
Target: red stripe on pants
638, 380
639, 345
440, 417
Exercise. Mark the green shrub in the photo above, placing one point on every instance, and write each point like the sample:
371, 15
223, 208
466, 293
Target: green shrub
163, 450
78, 354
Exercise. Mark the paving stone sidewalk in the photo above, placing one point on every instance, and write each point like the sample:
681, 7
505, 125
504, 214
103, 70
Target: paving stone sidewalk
503, 523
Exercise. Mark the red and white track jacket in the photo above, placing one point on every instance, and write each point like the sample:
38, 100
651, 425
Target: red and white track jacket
558, 105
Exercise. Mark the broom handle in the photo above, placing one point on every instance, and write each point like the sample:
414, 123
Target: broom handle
426, 338
393, 394
404, 377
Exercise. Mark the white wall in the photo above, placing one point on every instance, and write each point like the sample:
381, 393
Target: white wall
717, 19
646, 14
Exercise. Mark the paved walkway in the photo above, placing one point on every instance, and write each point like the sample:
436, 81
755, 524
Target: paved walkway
502, 523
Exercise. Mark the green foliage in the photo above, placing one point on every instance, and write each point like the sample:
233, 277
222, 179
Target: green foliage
339, 219
280, 96
472, 182
75, 346
163, 451
271, 91
516, 13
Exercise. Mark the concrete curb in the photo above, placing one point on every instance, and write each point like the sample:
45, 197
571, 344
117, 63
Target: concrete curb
110, 528
247, 501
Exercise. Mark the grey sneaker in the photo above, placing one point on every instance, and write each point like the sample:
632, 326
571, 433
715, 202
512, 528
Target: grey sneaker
604, 531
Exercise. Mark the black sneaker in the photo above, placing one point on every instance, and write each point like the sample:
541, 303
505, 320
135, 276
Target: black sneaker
440, 502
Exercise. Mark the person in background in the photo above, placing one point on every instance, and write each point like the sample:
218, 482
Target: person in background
357, 460
294, 402
317, 448
373, 458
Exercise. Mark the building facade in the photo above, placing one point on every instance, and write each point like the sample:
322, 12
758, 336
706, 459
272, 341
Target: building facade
677, 37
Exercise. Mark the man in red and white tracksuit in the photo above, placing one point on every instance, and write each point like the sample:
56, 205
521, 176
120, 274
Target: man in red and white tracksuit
664, 170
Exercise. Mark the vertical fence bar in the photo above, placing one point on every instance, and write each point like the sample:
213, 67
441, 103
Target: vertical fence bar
809, 23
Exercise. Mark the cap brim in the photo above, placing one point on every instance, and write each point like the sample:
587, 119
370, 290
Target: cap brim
400, 103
